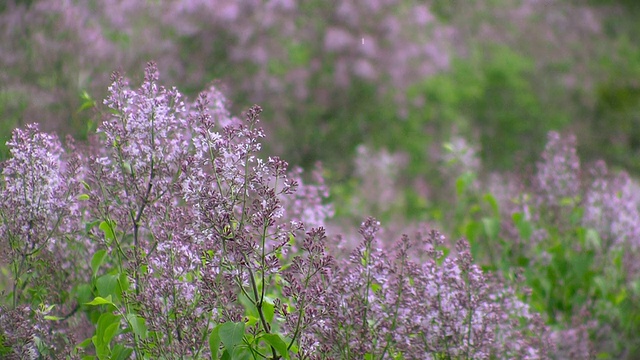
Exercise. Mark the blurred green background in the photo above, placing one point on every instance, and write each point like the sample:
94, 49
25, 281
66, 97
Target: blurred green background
498, 73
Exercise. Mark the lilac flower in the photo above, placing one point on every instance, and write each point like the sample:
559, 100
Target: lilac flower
445, 306
308, 204
39, 216
34, 199
558, 176
611, 207
18, 334
32, 185
146, 142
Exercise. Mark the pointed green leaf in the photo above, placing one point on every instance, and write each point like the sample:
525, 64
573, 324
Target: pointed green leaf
101, 301
278, 343
105, 329
84, 344
214, 342
138, 325
231, 334
107, 228
268, 310
107, 284
120, 352
97, 260
110, 332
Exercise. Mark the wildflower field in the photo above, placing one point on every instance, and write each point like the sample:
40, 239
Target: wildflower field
356, 179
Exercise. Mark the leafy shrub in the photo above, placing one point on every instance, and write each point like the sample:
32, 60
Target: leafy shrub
197, 248
573, 236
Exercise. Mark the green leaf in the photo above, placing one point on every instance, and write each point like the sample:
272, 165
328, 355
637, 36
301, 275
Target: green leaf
491, 227
90, 225
567, 201
460, 186
83, 197
102, 350
107, 228
225, 356
97, 260
123, 285
107, 284
592, 238
138, 325
127, 167
101, 301
242, 353
110, 332
53, 318
84, 344
251, 320
473, 230
121, 353
299, 54
214, 342
105, 329
463, 182
493, 202
231, 334
525, 229
448, 146
620, 297
268, 310
278, 343
249, 306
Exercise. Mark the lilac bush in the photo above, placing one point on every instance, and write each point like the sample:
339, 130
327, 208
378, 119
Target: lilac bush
39, 237
573, 234
417, 302
264, 51
199, 247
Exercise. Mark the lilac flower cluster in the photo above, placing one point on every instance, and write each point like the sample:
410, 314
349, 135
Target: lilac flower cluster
603, 206
417, 302
611, 207
610, 201
37, 208
41, 246
190, 230
17, 334
558, 176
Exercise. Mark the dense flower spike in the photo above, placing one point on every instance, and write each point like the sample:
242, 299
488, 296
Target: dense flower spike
146, 141
18, 334
611, 207
35, 203
39, 217
34, 195
558, 176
